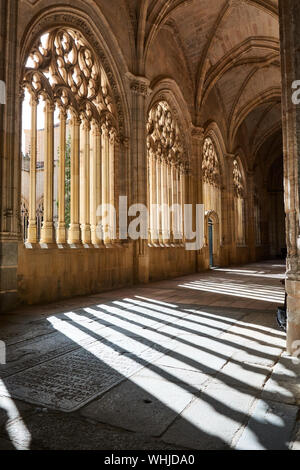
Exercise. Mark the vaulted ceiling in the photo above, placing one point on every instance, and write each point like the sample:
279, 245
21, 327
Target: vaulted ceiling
223, 55
229, 48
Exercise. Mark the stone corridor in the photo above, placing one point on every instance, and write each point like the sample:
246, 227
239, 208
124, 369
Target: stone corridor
196, 362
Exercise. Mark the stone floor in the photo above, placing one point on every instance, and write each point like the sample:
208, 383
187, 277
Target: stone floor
190, 363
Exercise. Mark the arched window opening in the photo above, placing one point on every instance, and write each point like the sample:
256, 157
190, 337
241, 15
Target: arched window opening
70, 142
167, 169
211, 180
239, 202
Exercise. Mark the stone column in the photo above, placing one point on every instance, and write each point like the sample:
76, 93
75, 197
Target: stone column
96, 181
184, 196
32, 229
159, 199
10, 168
197, 156
289, 18
251, 232
85, 182
105, 180
61, 227
47, 233
177, 202
228, 211
171, 184
111, 184
74, 230
165, 214
139, 88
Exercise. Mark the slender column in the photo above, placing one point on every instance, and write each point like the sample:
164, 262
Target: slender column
47, 232
32, 228
166, 223
183, 189
179, 195
159, 198
171, 184
176, 201
118, 177
228, 210
152, 198
74, 231
105, 180
111, 182
96, 177
149, 194
85, 183
61, 228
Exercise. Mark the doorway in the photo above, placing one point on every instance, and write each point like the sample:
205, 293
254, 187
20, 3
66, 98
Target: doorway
211, 242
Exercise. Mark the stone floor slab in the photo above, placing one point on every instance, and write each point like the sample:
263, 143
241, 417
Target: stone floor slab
270, 427
146, 404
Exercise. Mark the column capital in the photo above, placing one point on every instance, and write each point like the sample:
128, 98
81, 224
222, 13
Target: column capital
138, 84
34, 99
63, 114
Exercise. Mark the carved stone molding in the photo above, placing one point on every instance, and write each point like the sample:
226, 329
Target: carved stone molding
139, 85
197, 133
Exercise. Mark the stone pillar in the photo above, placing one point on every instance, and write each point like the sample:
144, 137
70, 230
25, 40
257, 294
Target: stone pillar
251, 232
105, 180
177, 202
10, 168
165, 213
61, 227
32, 229
74, 230
159, 200
85, 183
152, 199
47, 234
196, 167
111, 185
96, 181
139, 88
289, 17
228, 211
171, 185
183, 197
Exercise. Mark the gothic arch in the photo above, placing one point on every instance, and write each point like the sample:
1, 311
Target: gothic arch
106, 50
166, 89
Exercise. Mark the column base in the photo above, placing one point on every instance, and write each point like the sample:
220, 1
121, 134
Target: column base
61, 238
96, 241
74, 234
32, 234
47, 234
86, 234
